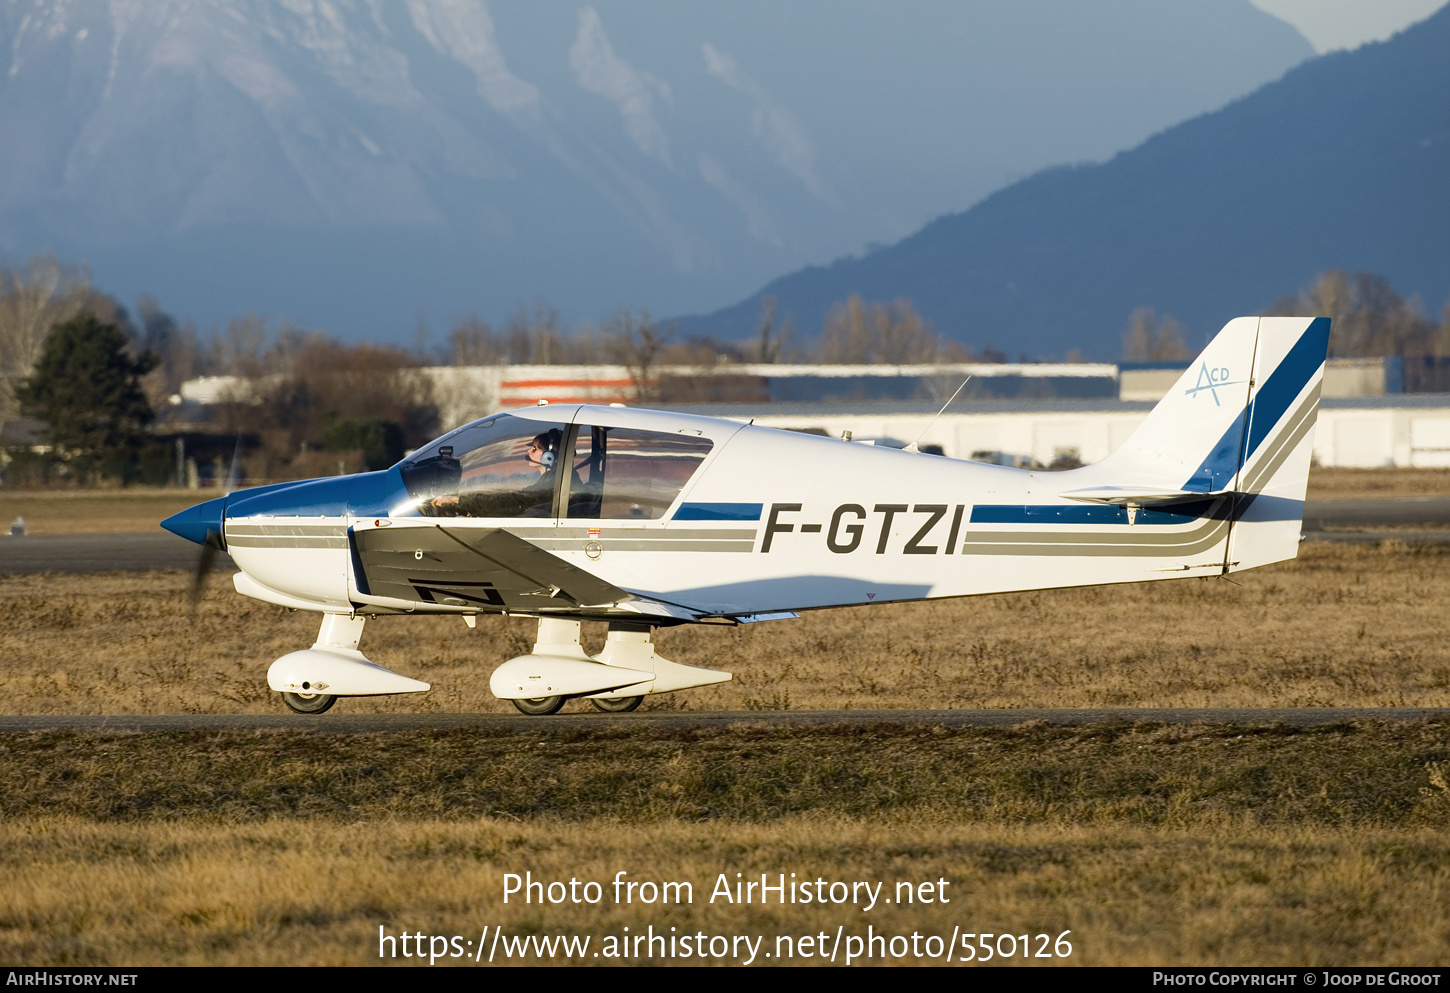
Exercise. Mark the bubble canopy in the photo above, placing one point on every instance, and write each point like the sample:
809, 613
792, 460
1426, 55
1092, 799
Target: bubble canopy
508, 466
501, 466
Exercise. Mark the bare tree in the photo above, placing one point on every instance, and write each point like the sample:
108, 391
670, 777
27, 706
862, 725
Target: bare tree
636, 344
772, 339
1369, 317
1150, 338
858, 333
300, 392
33, 299
473, 342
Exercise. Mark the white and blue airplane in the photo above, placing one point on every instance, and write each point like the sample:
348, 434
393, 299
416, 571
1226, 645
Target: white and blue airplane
645, 519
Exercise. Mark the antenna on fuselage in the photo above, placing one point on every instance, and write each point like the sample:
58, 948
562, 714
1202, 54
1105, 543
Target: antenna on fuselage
912, 447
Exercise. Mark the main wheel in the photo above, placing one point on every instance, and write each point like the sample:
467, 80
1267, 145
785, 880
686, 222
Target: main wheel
309, 703
617, 705
540, 705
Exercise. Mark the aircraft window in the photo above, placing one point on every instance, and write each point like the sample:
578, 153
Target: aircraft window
499, 467
623, 474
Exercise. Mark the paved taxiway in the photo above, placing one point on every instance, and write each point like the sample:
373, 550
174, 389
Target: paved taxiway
343, 723
89, 553
81, 554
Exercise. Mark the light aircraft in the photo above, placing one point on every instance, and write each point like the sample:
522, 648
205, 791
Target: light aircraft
645, 519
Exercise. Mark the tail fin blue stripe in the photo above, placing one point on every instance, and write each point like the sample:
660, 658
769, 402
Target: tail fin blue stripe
1217, 471
1285, 383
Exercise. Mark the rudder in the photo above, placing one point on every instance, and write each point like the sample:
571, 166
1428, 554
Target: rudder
1279, 441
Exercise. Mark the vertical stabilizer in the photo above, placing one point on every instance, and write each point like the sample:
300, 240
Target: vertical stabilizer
1237, 428
1191, 441
1279, 440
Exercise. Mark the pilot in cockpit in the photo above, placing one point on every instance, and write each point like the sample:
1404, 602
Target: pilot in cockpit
535, 499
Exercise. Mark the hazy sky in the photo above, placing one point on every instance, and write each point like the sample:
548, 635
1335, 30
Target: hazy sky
1331, 24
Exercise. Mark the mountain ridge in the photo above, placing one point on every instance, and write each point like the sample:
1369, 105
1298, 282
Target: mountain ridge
354, 164
1350, 172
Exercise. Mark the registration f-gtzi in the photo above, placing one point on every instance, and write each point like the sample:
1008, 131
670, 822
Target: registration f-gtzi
645, 519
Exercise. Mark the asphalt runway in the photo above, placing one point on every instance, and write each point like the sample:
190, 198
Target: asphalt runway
1324, 520
81, 554
1402, 512
343, 723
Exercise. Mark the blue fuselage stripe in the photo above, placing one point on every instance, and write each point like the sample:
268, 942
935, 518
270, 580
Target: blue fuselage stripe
1180, 513
719, 512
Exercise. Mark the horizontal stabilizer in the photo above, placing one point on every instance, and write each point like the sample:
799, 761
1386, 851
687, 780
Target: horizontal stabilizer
1142, 495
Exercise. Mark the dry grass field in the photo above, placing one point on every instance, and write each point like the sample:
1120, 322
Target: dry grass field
1152, 844
127, 511
1362, 484
1343, 625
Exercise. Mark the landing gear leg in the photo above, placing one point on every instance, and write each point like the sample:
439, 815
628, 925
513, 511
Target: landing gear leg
338, 631
615, 680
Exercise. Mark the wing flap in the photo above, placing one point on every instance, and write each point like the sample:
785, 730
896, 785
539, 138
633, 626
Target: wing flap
487, 568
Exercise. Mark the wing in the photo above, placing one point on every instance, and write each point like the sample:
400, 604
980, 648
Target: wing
488, 568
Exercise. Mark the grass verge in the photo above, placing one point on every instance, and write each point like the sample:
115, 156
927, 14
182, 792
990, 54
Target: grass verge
1151, 844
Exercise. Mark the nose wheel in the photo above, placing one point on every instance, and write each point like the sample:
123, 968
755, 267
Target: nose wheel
309, 703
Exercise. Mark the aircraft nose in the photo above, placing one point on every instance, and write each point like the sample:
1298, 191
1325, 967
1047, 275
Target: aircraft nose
195, 523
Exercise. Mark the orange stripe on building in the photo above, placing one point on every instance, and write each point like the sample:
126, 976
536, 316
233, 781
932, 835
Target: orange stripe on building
531, 384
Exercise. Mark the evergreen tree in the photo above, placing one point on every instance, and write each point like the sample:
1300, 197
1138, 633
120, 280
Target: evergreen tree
86, 387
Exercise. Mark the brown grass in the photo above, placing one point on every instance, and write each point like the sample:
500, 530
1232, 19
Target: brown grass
1343, 625
127, 511
1154, 845
1360, 484
269, 894
1206, 845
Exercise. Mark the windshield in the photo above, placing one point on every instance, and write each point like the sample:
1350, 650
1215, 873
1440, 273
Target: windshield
501, 466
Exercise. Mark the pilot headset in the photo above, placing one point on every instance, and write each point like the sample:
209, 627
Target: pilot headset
548, 441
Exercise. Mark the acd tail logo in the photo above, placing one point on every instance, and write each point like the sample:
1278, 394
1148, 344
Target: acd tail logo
1212, 380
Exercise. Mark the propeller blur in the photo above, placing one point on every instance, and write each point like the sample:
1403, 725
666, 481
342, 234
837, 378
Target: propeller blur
645, 519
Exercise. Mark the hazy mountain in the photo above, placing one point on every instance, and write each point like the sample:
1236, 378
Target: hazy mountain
358, 163
1344, 163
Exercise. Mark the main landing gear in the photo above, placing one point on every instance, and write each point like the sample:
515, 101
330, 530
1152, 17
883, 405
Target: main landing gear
539, 705
618, 704
615, 681
310, 681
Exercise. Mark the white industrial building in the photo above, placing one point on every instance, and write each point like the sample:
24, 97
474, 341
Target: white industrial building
1405, 430
1087, 410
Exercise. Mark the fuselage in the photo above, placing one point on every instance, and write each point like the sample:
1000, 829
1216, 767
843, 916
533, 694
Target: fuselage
692, 517
646, 518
